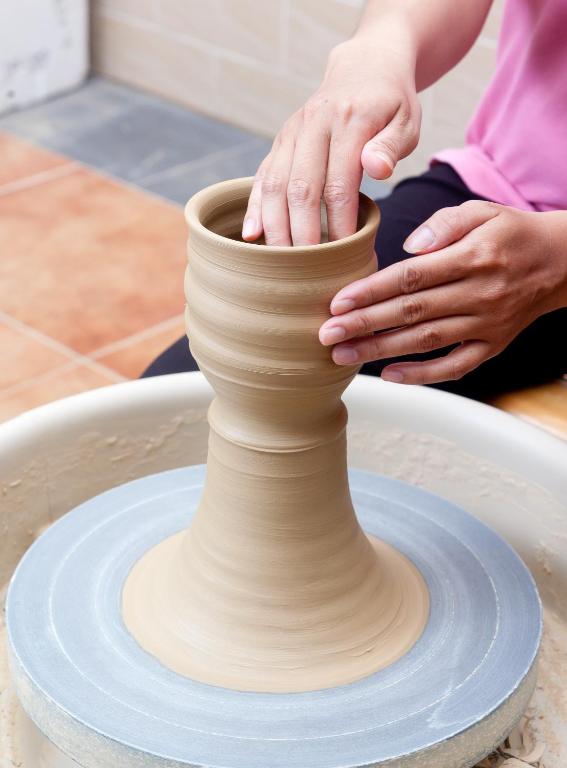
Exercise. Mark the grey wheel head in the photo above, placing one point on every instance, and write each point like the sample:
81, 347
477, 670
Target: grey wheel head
107, 703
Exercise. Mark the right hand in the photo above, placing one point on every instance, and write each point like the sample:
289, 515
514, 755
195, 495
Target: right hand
365, 115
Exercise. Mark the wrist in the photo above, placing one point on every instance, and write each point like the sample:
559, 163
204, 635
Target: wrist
554, 241
385, 42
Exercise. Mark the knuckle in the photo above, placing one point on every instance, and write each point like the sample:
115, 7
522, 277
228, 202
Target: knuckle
312, 108
457, 369
373, 348
405, 118
470, 205
272, 185
428, 339
287, 129
336, 194
300, 193
388, 144
491, 207
481, 256
490, 258
274, 236
450, 218
411, 310
411, 278
412, 142
496, 291
363, 324
345, 109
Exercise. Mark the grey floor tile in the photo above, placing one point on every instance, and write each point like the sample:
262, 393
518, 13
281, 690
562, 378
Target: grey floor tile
146, 140
56, 121
178, 184
375, 189
122, 131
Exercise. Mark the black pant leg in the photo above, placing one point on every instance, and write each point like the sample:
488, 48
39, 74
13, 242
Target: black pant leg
175, 359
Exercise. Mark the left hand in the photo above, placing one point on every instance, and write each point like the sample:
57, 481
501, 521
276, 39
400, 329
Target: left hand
484, 272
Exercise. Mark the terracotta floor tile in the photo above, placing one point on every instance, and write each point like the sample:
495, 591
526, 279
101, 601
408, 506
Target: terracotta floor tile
131, 359
545, 406
24, 358
89, 261
19, 159
67, 380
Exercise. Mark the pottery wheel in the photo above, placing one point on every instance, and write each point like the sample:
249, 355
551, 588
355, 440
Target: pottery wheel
107, 703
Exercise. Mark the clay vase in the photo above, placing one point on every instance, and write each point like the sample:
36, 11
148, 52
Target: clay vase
274, 587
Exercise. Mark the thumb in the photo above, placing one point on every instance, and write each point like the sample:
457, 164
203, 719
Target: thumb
397, 140
448, 225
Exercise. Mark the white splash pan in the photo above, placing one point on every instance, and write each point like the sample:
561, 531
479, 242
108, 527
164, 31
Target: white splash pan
510, 474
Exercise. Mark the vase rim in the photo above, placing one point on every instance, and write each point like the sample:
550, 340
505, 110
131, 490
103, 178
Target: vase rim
223, 191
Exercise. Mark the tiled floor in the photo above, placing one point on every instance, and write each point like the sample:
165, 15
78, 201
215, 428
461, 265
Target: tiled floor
92, 240
90, 277
91, 267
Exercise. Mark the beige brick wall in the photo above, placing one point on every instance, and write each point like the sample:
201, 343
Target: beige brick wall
252, 62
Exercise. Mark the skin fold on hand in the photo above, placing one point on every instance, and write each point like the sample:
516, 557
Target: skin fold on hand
482, 273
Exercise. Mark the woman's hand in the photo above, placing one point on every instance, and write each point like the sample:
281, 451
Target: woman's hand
485, 272
365, 114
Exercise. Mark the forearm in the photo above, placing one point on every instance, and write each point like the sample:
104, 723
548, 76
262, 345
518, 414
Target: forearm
435, 35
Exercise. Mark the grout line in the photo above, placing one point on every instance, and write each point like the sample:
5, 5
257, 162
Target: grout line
47, 341
147, 333
134, 186
21, 386
104, 370
131, 184
205, 47
192, 165
66, 169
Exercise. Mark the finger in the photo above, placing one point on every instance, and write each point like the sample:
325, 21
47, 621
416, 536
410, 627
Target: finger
402, 279
450, 367
448, 225
344, 174
398, 312
252, 224
306, 181
395, 141
275, 178
416, 339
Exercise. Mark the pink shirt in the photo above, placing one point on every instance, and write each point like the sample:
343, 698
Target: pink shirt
516, 144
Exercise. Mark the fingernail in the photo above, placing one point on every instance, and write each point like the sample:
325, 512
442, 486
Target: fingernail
421, 239
345, 355
392, 374
332, 335
249, 227
340, 306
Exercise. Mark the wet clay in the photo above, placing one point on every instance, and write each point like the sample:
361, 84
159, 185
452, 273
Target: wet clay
274, 587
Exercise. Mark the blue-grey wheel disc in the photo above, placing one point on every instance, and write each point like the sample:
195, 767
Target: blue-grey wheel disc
108, 704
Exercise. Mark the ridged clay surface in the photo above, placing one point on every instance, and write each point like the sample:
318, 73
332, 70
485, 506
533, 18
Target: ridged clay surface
274, 587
